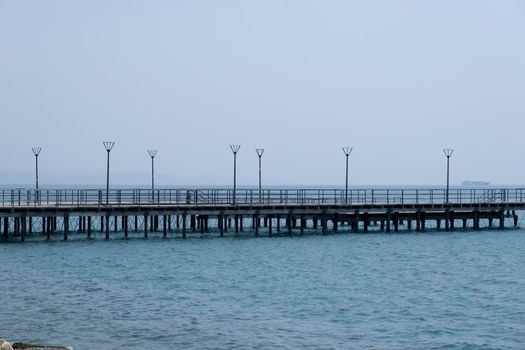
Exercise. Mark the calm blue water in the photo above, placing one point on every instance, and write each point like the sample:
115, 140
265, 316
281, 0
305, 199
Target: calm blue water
461, 290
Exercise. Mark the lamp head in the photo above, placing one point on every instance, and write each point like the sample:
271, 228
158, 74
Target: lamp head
108, 145
347, 150
36, 150
448, 152
235, 148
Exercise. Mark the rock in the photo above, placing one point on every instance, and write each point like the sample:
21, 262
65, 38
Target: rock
4, 345
25, 346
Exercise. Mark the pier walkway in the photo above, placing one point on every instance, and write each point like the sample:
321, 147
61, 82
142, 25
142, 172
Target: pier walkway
178, 212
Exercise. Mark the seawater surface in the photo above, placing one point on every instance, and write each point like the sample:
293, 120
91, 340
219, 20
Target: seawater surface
461, 290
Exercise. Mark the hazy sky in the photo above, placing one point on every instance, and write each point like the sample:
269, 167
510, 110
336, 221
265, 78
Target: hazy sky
398, 80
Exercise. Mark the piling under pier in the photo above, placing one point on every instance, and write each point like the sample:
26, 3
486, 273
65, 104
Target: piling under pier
115, 221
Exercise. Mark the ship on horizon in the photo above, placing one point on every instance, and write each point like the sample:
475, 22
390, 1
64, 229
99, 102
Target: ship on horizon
475, 183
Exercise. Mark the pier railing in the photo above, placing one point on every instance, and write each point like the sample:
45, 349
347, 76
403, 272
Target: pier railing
63, 197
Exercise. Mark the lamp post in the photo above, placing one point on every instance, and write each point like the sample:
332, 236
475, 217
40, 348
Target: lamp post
448, 152
108, 145
36, 152
347, 151
260, 152
235, 149
152, 154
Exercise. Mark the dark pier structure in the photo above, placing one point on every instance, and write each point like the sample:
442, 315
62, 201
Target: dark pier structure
121, 213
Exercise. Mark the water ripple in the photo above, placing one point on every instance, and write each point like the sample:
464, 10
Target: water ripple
396, 291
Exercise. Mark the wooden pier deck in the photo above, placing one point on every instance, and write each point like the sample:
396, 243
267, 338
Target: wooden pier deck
180, 212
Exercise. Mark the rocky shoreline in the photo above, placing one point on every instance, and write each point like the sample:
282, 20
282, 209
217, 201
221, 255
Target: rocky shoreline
4, 345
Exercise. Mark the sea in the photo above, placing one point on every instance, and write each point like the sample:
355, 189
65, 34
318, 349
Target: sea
407, 290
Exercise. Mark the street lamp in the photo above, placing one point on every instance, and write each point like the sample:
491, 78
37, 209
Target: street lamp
36, 152
260, 152
235, 149
108, 145
152, 154
448, 152
347, 151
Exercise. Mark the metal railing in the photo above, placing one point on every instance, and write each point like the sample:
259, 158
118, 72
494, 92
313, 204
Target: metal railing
62, 197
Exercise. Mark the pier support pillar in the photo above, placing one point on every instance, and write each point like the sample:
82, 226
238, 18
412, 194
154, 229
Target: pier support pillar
423, 221
183, 225
289, 220
464, 223
236, 219
501, 219
418, 221
220, 223
23, 228
396, 222
366, 222
452, 217
152, 223
324, 223
515, 218
278, 221
6, 227
241, 223
89, 226
164, 226
16, 229
476, 219
66, 226
146, 225
356, 221
303, 223
335, 221
192, 223
256, 224
270, 225
48, 228
388, 220
107, 226
125, 225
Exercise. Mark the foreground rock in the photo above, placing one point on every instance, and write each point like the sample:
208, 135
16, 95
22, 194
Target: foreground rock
26, 346
4, 345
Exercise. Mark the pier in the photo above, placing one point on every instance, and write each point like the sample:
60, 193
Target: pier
119, 213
